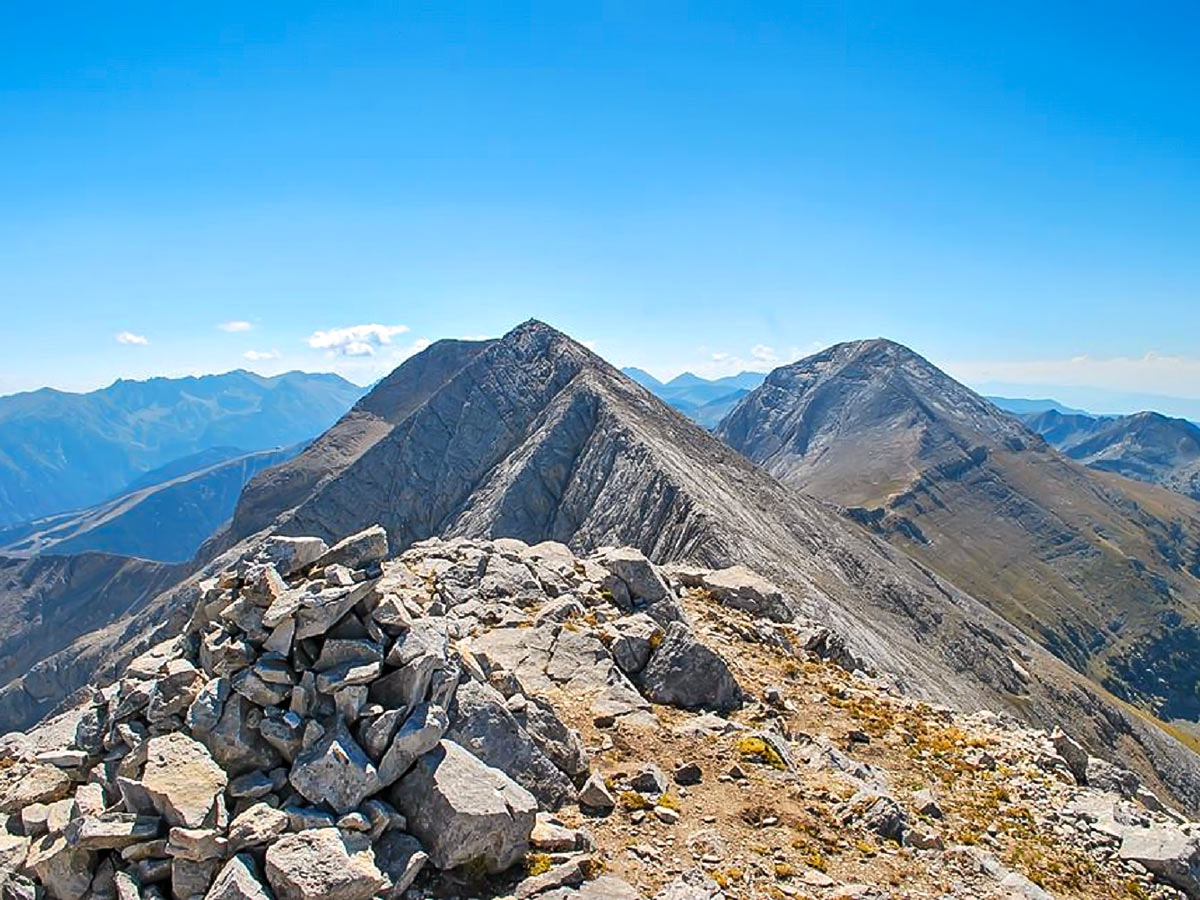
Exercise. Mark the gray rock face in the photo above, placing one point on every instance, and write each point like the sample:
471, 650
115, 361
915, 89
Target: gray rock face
321, 865
482, 724
684, 672
419, 734
357, 551
290, 555
462, 810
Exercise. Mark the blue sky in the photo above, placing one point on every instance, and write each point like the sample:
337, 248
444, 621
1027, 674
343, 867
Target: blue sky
1010, 190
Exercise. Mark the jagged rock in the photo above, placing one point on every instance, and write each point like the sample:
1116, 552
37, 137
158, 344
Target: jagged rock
23, 785
320, 864
463, 810
318, 612
1169, 852
257, 825
356, 551
237, 881
562, 875
632, 567
1073, 754
649, 779
632, 640
480, 722
926, 804
66, 871
561, 745
879, 813
290, 555
181, 779
235, 741
400, 858
688, 774
191, 879
111, 831
419, 734
196, 844
684, 672
595, 794
335, 770
742, 588
549, 837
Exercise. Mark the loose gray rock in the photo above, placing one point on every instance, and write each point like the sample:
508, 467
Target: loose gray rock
335, 770
237, 881
356, 551
683, 672
320, 864
463, 810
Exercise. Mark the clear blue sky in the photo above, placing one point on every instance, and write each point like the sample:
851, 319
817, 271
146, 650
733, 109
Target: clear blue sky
1012, 189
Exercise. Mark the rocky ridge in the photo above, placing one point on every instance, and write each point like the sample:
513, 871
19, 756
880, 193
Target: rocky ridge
491, 718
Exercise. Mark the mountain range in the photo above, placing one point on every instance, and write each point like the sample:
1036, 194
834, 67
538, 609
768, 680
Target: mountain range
703, 400
1101, 570
63, 451
534, 437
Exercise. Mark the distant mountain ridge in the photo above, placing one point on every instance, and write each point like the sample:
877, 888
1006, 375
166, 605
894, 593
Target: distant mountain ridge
1104, 571
63, 451
1147, 446
705, 401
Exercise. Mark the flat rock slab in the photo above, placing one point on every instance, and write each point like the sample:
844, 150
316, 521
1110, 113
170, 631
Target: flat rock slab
181, 779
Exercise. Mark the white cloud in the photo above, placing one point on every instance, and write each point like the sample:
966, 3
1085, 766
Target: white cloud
355, 340
1177, 376
235, 326
128, 337
257, 355
763, 353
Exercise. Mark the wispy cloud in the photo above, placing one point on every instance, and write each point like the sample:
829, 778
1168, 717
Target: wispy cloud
759, 358
235, 326
1150, 373
355, 340
258, 355
128, 337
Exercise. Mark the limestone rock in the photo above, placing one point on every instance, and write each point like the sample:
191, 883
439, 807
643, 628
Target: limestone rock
237, 881
319, 864
335, 770
181, 779
741, 588
463, 810
356, 551
1170, 853
290, 555
684, 672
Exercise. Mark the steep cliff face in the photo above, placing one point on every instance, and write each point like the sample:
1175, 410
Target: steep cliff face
1099, 569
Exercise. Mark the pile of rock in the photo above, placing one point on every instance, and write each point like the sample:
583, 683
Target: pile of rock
333, 721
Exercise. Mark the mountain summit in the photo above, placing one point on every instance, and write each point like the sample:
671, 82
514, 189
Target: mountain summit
1101, 570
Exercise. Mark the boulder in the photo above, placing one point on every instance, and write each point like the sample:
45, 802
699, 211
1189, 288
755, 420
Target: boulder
290, 555
181, 779
465, 811
22, 785
65, 871
683, 672
257, 825
356, 551
637, 572
418, 735
481, 722
237, 881
335, 770
401, 858
744, 589
110, 831
631, 640
1169, 852
319, 864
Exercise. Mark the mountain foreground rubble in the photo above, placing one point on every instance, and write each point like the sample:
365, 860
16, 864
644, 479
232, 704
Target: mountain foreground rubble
485, 718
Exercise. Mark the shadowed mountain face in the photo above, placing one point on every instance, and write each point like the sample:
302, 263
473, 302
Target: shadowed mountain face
167, 519
534, 437
1101, 570
61, 451
1146, 446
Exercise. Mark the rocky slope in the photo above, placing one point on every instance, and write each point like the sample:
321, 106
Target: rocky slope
1147, 446
63, 451
534, 437
167, 520
490, 718
52, 610
1101, 570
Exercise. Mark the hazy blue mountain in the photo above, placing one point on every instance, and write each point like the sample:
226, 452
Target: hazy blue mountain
705, 401
1147, 446
64, 451
1098, 401
1023, 407
165, 520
